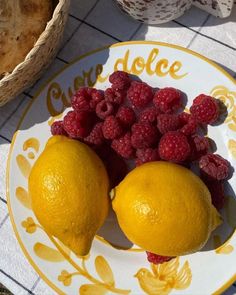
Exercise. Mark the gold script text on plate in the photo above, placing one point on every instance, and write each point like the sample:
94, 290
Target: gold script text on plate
151, 65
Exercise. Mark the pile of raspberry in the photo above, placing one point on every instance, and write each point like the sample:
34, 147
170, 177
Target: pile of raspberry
130, 120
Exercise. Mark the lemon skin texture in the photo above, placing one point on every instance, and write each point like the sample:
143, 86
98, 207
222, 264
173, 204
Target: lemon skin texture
165, 209
69, 186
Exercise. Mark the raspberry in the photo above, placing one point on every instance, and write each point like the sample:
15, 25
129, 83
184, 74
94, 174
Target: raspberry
139, 94
174, 147
123, 146
199, 146
81, 99
96, 97
119, 80
205, 109
188, 123
115, 96
146, 155
104, 109
111, 128
149, 115
126, 115
167, 122
115, 165
214, 167
167, 100
78, 124
144, 135
58, 129
157, 259
95, 137
216, 189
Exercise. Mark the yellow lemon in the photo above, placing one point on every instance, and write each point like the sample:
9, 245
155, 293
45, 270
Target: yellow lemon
69, 186
165, 209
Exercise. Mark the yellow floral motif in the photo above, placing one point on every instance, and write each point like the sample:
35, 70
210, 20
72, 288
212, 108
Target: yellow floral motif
165, 277
228, 98
47, 253
232, 147
107, 282
226, 248
29, 225
65, 278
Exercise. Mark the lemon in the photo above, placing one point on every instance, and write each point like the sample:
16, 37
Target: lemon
69, 186
165, 208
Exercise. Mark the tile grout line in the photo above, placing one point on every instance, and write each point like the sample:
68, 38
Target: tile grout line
197, 32
4, 220
134, 33
204, 35
62, 60
77, 28
15, 281
35, 284
3, 137
97, 29
9, 117
3, 200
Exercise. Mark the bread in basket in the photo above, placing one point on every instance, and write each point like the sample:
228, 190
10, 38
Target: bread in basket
30, 35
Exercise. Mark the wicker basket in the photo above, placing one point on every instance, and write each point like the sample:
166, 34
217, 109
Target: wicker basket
39, 57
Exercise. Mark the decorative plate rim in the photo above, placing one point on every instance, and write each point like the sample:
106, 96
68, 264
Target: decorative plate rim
189, 51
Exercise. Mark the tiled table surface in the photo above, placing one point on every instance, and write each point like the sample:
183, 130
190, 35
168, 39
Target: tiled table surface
93, 24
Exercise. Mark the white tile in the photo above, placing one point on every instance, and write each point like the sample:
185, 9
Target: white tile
4, 150
170, 33
10, 126
13, 260
3, 213
71, 26
107, 17
43, 289
55, 67
221, 54
6, 110
81, 8
222, 29
83, 41
193, 18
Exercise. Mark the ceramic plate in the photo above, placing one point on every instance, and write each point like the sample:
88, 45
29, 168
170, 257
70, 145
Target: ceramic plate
114, 265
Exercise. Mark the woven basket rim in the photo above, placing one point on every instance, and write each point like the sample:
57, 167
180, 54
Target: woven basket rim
43, 36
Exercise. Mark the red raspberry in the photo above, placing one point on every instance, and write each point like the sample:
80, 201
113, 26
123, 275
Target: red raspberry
144, 135
140, 94
81, 99
146, 155
157, 259
149, 115
205, 109
123, 146
167, 122
95, 137
78, 124
58, 129
120, 80
167, 100
184, 118
216, 189
115, 96
115, 165
104, 109
199, 146
111, 128
126, 115
188, 123
174, 147
96, 97
214, 167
